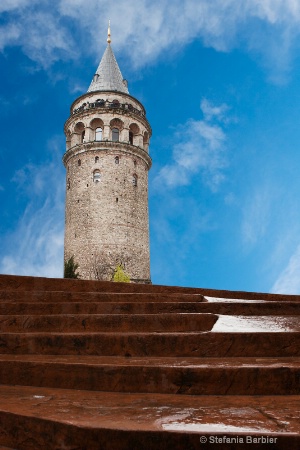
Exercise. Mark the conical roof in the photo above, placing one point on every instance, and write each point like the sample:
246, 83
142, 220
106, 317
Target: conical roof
108, 76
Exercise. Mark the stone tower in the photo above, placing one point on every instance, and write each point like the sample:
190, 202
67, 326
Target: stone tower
107, 162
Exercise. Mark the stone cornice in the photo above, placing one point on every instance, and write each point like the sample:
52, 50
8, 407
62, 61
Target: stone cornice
102, 94
94, 146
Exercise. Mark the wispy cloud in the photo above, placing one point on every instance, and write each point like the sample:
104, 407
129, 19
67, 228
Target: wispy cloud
48, 31
199, 149
35, 246
256, 215
288, 282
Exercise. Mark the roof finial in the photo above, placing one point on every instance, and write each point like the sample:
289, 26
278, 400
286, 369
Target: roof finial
108, 33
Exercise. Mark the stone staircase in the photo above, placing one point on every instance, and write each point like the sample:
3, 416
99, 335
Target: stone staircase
95, 365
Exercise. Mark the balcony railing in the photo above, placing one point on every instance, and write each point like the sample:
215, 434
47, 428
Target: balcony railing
101, 104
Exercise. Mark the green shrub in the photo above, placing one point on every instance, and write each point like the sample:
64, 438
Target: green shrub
70, 268
120, 276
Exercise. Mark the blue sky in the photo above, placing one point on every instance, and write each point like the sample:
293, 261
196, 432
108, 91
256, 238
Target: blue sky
221, 85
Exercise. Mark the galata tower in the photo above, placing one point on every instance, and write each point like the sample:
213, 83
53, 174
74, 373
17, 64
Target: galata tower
107, 162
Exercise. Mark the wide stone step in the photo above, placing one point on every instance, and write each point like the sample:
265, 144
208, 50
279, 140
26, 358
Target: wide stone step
94, 297
21, 283
113, 322
210, 344
225, 308
34, 418
193, 376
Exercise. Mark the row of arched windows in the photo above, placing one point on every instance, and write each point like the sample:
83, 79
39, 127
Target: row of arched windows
96, 128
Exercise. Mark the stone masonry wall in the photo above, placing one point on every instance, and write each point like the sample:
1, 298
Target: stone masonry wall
106, 220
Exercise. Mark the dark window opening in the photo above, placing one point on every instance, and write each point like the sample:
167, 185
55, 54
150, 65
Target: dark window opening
115, 134
115, 103
96, 159
117, 160
82, 136
134, 180
79, 162
96, 176
131, 137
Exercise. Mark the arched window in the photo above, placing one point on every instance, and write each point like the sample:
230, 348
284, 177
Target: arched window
83, 136
117, 160
131, 137
96, 176
134, 180
98, 134
96, 159
134, 131
79, 162
115, 134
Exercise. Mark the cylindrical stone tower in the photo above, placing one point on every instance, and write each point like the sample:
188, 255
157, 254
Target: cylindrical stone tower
107, 163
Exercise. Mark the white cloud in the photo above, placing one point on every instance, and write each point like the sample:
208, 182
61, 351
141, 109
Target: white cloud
151, 29
199, 148
256, 215
288, 281
10, 5
35, 246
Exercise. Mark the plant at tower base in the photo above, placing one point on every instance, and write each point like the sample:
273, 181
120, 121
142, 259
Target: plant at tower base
120, 276
70, 268
104, 267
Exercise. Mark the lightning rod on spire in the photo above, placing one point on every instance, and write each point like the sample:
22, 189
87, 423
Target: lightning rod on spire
108, 33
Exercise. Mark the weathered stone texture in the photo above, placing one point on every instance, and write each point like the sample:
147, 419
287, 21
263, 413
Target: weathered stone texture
107, 214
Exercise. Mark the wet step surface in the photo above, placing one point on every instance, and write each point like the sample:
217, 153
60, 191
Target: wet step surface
196, 376
95, 365
139, 322
61, 296
154, 344
115, 420
232, 307
38, 284
246, 324
180, 322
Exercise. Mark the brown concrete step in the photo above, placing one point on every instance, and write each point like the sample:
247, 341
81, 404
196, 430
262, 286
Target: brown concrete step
35, 418
193, 376
210, 344
21, 283
108, 322
232, 308
180, 322
101, 297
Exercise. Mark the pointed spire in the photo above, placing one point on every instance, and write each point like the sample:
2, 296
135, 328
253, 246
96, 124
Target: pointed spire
108, 76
